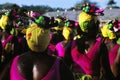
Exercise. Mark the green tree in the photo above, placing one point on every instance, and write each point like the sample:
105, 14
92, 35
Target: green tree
7, 6
111, 3
38, 8
78, 5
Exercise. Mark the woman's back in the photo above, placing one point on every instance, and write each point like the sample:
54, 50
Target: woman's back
35, 66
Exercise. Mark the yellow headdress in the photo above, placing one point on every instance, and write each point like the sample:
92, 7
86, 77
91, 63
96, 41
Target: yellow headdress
88, 16
68, 29
107, 32
37, 38
86, 20
4, 21
66, 32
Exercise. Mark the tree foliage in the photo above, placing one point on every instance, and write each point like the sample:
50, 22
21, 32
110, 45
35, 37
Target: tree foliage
79, 4
38, 8
111, 4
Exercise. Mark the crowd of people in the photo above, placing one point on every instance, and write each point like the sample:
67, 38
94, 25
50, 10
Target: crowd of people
38, 47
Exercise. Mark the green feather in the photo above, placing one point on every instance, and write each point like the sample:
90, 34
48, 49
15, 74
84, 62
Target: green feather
19, 23
110, 25
40, 20
87, 7
7, 13
12, 31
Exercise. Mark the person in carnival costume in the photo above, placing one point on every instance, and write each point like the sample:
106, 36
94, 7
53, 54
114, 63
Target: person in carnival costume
111, 34
68, 33
36, 64
1, 47
6, 24
59, 27
86, 50
60, 19
56, 34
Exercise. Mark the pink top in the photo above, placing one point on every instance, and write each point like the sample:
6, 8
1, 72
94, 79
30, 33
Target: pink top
83, 62
113, 54
20, 39
51, 49
60, 49
53, 74
4, 42
14, 73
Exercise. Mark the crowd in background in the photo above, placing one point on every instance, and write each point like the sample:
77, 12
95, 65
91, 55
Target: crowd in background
38, 47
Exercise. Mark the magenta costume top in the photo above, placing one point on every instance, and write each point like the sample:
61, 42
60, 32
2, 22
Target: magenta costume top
4, 42
53, 74
51, 48
113, 54
83, 63
60, 49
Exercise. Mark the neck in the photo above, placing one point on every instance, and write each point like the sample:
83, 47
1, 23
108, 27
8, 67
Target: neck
44, 52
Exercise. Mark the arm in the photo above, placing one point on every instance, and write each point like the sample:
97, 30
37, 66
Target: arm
68, 57
65, 73
105, 66
116, 71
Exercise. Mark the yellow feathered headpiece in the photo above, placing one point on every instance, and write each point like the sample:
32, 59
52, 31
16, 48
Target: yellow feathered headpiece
108, 31
68, 29
66, 32
4, 21
89, 16
60, 24
37, 38
86, 20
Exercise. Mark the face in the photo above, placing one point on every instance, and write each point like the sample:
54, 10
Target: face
89, 26
84, 26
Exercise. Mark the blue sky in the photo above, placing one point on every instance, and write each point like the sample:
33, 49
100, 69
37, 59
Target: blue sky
56, 3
